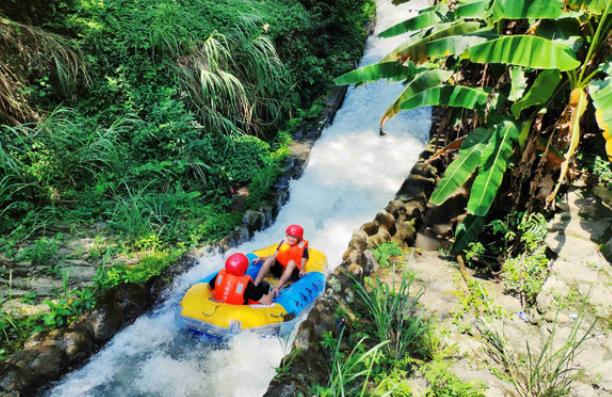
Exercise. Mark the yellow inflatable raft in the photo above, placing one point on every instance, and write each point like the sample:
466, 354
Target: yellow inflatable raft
201, 313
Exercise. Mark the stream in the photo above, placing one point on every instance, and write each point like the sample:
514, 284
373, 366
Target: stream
352, 173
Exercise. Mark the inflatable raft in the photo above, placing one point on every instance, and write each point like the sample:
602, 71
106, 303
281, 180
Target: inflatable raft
201, 313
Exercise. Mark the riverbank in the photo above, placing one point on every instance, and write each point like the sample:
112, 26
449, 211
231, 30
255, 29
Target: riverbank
467, 330
337, 191
90, 281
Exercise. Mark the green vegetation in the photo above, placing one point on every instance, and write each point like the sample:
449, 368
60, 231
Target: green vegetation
386, 253
135, 126
392, 311
516, 121
546, 370
376, 354
443, 383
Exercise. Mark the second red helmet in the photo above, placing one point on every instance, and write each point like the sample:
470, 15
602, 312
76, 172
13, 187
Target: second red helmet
237, 264
295, 230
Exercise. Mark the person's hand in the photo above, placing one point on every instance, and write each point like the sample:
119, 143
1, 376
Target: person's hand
257, 260
302, 272
275, 292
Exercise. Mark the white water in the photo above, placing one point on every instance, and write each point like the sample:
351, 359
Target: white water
352, 173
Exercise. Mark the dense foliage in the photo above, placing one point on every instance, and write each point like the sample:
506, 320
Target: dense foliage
519, 78
134, 123
135, 115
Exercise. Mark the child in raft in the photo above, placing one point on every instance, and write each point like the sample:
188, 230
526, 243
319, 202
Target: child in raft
288, 261
231, 285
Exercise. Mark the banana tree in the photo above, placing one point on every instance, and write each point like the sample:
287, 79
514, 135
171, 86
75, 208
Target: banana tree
539, 41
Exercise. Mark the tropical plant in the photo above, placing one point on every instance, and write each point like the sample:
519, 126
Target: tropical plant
350, 373
479, 57
392, 309
27, 51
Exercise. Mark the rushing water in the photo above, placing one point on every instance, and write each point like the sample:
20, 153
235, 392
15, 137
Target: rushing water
352, 173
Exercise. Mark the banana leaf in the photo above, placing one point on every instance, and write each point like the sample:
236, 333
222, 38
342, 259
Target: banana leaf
444, 47
494, 163
387, 70
402, 52
461, 169
417, 22
472, 9
596, 7
523, 9
518, 83
523, 50
466, 232
540, 91
448, 95
601, 93
421, 82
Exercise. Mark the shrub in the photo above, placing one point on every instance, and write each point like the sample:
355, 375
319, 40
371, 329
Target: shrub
392, 311
443, 383
525, 274
385, 252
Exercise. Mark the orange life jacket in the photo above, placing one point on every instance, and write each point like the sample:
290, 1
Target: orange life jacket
288, 252
229, 288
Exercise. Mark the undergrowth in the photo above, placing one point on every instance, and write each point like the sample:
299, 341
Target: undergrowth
174, 107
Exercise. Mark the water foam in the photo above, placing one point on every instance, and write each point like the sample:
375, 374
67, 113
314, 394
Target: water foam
352, 173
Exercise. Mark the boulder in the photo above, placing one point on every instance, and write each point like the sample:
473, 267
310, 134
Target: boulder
77, 344
254, 220
133, 299
385, 219
105, 321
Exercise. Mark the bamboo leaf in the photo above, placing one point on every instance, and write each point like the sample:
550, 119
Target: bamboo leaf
523, 50
421, 82
462, 168
403, 52
417, 22
578, 104
601, 93
523, 9
466, 232
518, 83
448, 95
377, 71
540, 91
494, 163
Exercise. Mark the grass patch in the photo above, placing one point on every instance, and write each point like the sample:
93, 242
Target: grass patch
545, 371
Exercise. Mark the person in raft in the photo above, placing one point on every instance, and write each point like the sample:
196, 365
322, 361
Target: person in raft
288, 261
231, 285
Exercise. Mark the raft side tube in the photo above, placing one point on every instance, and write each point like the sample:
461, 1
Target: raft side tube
299, 295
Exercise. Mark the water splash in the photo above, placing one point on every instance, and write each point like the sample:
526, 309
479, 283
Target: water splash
352, 173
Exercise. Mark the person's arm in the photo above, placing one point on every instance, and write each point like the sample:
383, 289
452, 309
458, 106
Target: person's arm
303, 266
212, 281
304, 260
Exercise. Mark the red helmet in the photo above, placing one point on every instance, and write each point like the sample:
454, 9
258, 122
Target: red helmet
237, 264
295, 230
